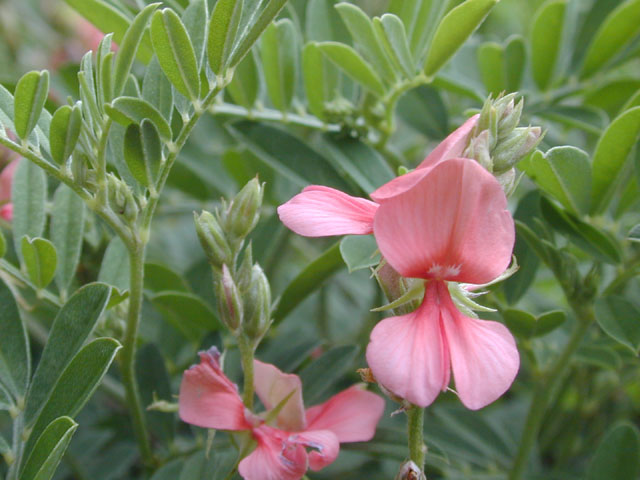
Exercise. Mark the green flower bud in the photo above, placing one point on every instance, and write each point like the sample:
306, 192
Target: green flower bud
244, 210
243, 274
257, 305
213, 240
516, 146
121, 198
488, 121
229, 301
510, 119
478, 149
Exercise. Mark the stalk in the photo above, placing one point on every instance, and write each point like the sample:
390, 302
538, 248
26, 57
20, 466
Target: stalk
415, 423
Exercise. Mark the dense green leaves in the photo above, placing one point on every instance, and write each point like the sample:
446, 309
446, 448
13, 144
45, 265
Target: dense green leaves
526, 325
67, 229
350, 61
223, 28
66, 126
127, 110
72, 326
620, 319
454, 29
390, 29
15, 361
616, 31
612, 151
143, 152
41, 259
31, 93
187, 313
29, 195
49, 449
244, 87
175, 52
546, 36
279, 51
618, 455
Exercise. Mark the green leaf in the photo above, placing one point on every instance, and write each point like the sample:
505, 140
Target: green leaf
223, 28
114, 270
565, 174
153, 381
109, 19
453, 30
618, 455
620, 319
398, 43
366, 40
633, 235
279, 52
195, 19
420, 17
546, 36
246, 41
308, 280
287, 353
245, 84
29, 98
599, 356
29, 196
40, 134
515, 58
127, 110
186, 312
143, 152
549, 321
131, 42
76, 384
423, 109
582, 234
72, 326
320, 376
15, 360
610, 155
67, 230
66, 125
520, 323
313, 72
40, 258
350, 61
618, 29
359, 251
159, 278
175, 52
585, 117
105, 74
49, 449
157, 90
491, 63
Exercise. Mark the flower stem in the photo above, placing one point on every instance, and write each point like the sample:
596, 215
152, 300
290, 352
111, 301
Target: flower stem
417, 448
246, 357
546, 389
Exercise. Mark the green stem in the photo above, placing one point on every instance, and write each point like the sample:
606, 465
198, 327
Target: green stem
415, 423
546, 389
18, 447
128, 356
270, 115
102, 194
246, 357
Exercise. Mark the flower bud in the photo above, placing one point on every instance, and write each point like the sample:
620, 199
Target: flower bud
514, 147
243, 274
257, 305
510, 119
213, 240
410, 471
478, 150
229, 301
244, 210
121, 198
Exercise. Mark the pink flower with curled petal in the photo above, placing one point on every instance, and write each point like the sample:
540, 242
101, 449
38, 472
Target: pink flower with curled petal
323, 211
209, 399
6, 180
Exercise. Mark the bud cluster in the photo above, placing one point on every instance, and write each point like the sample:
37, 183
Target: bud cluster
121, 198
243, 293
497, 143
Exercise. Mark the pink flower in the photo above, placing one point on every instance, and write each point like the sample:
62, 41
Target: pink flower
446, 221
210, 400
322, 211
6, 179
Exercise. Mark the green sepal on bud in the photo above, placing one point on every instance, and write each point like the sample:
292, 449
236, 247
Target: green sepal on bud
229, 301
243, 212
213, 240
121, 198
513, 148
257, 306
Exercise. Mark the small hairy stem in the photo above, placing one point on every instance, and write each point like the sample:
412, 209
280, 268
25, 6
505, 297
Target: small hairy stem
546, 389
270, 115
18, 447
415, 423
246, 357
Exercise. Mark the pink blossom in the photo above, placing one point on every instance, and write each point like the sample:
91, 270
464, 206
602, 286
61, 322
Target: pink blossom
321, 211
209, 399
6, 179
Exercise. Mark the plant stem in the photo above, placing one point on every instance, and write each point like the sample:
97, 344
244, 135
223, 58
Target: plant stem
268, 114
128, 356
546, 389
246, 357
415, 423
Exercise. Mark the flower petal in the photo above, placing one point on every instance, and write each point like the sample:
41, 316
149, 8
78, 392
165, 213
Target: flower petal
408, 354
208, 398
273, 386
450, 147
352, 415
324, 443
275, 458
452, 225
322, 211
484, 357
6, 211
